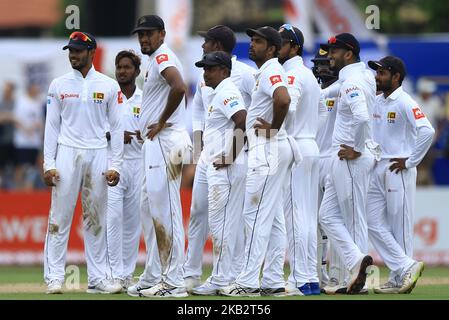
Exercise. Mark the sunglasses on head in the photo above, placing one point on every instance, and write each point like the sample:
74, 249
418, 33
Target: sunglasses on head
78, 35
289, 27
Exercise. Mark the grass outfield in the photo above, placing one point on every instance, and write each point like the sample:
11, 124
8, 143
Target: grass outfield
17, 283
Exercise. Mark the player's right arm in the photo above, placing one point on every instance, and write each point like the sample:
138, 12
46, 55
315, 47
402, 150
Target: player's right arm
52, 129
198, 121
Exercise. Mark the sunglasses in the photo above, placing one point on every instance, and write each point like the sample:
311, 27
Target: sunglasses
289, 27
78, 35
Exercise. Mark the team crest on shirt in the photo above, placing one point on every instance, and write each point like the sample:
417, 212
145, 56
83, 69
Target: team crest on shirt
291, 80
418, 113
275, 79
330, 104
136, 112
391, 117
161, 58
98, 97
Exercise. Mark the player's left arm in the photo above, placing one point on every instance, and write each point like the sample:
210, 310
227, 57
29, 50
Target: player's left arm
115, 109
177, 91
424, 136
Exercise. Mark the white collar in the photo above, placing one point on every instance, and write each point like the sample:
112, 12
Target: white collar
89, 74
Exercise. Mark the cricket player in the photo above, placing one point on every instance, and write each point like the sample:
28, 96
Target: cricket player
226, 167
343, 208
123, 218
328, 109
301, 194
270, 157
405, 135
217, 38
166, 144
79, 106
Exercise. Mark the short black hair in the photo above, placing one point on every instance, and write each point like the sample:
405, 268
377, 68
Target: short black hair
135, 59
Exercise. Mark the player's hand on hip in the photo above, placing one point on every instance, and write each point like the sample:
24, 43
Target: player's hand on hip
263, 128
50, 177
348, 153
222, 163
155, 128
398, 164
128, 136
112, 177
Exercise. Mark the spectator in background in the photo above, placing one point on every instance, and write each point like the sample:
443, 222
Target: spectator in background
28, 136
6, 131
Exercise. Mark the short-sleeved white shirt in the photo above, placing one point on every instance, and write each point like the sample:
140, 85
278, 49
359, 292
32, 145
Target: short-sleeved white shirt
269, 77
329, 102
242, 76
156, 90
226, 100
395, 123
302, 117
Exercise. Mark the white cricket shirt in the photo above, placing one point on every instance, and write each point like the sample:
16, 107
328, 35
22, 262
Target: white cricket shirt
396, 120
156, 90
226, 100
355, 105
269, 77
78, 110
131, 115
302, 118
328, 113
243, 77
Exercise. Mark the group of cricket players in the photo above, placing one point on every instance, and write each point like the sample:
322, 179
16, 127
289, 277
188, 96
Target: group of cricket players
291, 162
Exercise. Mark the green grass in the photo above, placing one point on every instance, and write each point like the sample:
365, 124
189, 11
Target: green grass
434, 285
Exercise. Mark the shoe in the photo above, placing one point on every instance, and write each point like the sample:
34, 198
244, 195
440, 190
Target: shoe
272, 292
164, 290
206, 289
236, 290
105, 287
54, 287
134, 290
314, 288
305, 289
334, 287
411, 277
191, 282
358, 275
291, 290
388, 287
126, 283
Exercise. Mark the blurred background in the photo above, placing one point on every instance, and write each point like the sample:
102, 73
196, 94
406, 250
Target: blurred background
33, 32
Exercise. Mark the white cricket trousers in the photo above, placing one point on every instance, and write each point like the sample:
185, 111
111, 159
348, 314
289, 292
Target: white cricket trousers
336, 267
343, 208
198, 224
301, 215
161, 202
391, 202
226, 197
79, 170
265, 234
123, 220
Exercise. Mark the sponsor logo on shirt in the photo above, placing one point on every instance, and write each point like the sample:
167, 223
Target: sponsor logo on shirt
353, 95
161, 58
227, 100
136, 111
354, 88
275, 79
69, 95
418, 113
119, 97
291, 80
376, 116
391, 117
98, 97
233, 104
